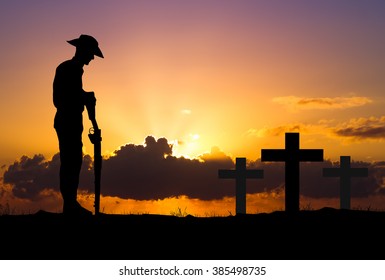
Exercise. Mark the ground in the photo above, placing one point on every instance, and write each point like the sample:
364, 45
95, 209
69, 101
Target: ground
315, 234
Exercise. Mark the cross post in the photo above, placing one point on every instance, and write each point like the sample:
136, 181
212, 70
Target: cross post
240, 174
292, 155
345, 172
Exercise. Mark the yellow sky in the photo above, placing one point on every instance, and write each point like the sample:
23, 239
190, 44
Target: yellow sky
218, 74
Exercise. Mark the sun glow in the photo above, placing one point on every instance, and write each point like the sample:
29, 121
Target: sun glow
187, 147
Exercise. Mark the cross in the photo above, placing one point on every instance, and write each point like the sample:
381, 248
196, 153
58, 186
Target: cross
240, 174
292, 155
345, 172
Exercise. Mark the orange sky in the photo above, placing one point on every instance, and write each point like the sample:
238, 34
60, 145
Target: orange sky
202, 74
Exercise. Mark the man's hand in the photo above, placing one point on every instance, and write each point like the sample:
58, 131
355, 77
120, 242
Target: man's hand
95, 135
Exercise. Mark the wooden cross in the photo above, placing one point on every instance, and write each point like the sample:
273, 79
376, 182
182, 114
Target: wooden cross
240, 174
292, 155
345, 172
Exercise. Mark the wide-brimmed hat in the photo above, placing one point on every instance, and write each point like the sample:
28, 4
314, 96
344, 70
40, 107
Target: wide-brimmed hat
88, 42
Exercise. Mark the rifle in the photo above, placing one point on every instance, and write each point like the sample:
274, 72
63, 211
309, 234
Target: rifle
95, 136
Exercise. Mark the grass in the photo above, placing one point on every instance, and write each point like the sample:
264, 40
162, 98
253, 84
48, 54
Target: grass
306, 207
368, 208
179, 212
7, 210
213, 214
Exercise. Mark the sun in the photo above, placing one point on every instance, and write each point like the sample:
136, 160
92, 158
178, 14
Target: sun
188, 146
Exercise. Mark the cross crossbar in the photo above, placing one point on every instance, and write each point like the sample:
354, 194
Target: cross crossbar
345, 172
240, 174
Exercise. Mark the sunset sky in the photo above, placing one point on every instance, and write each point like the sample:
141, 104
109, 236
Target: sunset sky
216, 80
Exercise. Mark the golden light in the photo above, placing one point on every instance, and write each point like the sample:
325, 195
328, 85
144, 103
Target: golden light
187, 147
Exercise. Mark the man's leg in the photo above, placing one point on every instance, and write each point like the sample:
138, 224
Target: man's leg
71, 158
70, 166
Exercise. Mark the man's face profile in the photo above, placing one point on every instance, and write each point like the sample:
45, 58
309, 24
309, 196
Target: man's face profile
88, 57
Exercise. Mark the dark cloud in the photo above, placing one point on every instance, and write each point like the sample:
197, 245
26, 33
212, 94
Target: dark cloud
150, 171
30, 176
362, 128
314, 185
135, 171
362, 132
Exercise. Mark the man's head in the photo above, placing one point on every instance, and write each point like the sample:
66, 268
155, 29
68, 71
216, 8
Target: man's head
86, 48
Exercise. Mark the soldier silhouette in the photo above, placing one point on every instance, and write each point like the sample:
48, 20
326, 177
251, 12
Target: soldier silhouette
70, 99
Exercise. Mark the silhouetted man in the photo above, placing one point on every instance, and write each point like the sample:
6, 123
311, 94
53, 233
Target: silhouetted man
70, 99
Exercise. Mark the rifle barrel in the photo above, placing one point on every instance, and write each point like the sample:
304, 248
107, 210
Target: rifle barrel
96, 139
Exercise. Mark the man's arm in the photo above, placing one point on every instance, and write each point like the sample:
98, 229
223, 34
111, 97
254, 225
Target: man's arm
90, 102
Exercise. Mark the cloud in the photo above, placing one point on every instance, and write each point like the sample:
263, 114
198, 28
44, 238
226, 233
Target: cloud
356, 129
151, 172
147, 171
31, 177
314, 185
295, 103
139, 172
362, 128
278, 130
322, 127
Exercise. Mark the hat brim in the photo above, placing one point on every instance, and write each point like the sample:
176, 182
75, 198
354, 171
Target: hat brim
98, 52
95, 49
